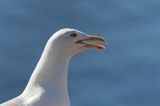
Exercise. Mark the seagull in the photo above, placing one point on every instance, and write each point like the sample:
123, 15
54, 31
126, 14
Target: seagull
47, 85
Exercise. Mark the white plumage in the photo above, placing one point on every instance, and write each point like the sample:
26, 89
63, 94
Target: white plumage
48, 83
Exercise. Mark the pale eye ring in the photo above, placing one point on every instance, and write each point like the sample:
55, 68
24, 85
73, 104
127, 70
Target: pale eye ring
73, 35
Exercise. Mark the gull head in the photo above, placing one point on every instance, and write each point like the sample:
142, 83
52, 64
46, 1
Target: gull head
73, 41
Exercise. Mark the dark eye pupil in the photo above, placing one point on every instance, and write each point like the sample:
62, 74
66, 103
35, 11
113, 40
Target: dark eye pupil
73, 35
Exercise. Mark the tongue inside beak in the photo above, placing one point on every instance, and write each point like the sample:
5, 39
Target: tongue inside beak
91, 45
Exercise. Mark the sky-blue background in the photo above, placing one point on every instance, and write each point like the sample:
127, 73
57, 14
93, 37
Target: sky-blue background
126, 74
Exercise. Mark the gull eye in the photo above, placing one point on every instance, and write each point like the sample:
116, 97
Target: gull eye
73, 35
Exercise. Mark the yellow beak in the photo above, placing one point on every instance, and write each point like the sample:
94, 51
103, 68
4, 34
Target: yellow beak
90, 45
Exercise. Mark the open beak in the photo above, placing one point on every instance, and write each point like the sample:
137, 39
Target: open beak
91, 45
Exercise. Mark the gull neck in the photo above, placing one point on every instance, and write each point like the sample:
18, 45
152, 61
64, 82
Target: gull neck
50, 74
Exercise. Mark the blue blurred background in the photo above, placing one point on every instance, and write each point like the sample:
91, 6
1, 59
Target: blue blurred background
126, 74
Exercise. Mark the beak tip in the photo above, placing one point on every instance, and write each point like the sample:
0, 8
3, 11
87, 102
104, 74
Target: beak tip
100, 47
